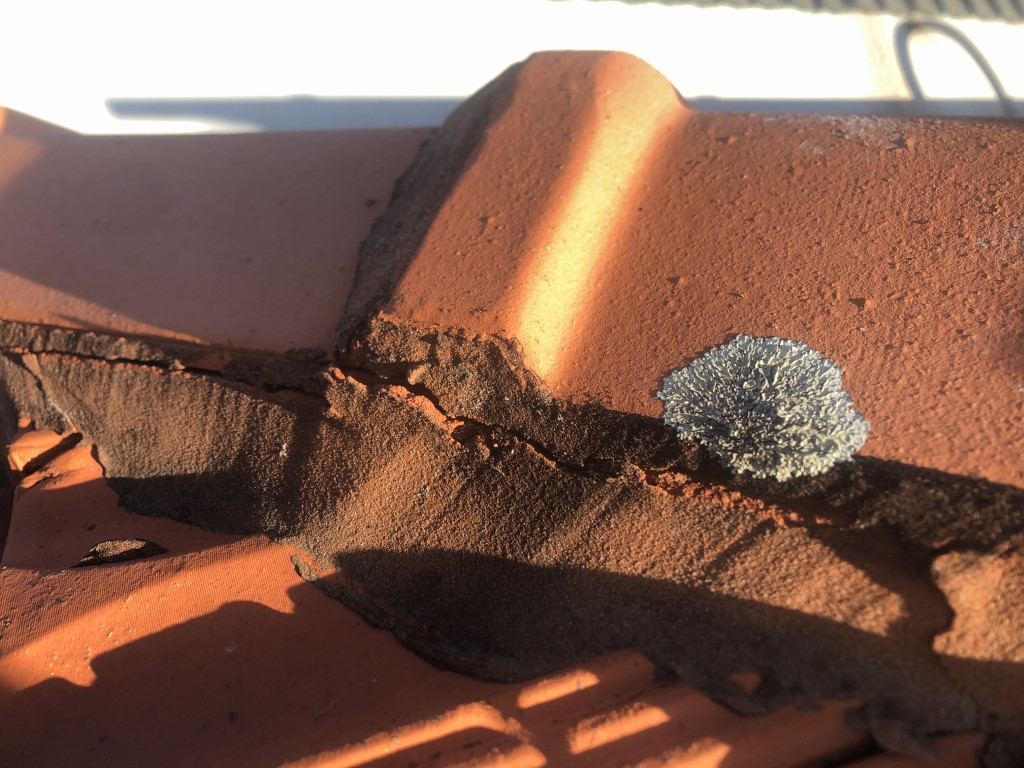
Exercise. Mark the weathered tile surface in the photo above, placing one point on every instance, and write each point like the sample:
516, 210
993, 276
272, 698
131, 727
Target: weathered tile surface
246, 241
579, 214
499, 492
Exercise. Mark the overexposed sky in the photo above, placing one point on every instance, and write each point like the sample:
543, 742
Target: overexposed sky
72, 63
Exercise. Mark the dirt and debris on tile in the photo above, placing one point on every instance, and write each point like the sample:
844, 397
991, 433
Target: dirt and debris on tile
541, 236
481, 469
201, 640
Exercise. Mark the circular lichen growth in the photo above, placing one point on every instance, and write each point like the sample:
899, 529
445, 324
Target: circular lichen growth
771, 407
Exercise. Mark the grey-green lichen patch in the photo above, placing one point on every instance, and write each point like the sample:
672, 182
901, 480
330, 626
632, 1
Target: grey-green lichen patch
771, 407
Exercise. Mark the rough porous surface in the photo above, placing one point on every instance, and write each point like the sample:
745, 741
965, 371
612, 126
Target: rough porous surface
246, 241
188, 655
471, 546
986, 593
454, 483
602, 234
563, 322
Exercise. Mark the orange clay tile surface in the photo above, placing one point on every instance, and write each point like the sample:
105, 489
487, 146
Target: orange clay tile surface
216, 653
243, 241
617, 234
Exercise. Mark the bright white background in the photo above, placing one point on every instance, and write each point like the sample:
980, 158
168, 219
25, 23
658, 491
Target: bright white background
107, 66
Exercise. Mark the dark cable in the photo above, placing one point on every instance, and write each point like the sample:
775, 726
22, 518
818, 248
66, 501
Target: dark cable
901, 40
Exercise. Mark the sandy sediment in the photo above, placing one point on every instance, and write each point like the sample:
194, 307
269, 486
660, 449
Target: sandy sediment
498, 490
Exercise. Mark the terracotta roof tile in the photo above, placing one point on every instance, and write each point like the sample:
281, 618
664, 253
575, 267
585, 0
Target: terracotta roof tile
108, 650
612, 235
242, 241
485, 472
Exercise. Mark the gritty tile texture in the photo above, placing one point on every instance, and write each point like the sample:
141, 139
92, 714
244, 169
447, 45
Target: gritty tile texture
244, 242
469, 545
578, 213
484, 471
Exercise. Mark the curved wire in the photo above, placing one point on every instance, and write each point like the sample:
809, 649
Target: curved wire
901, 40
